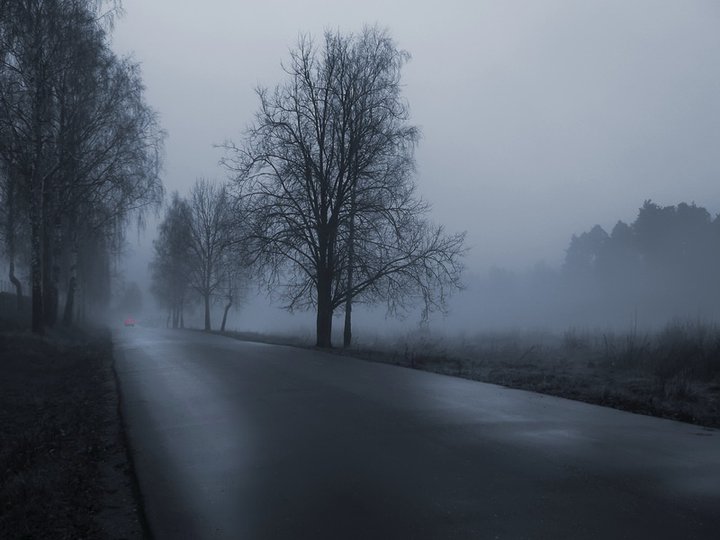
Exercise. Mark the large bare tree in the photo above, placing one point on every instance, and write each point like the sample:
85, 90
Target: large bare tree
326, 176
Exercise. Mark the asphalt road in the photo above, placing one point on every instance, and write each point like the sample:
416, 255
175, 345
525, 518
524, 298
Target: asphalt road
244, 440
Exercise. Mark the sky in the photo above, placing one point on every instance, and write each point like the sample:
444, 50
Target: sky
539, 118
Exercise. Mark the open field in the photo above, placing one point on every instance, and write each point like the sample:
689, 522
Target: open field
673, 373
65, 470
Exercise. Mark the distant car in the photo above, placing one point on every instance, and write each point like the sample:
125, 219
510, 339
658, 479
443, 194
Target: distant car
129, 321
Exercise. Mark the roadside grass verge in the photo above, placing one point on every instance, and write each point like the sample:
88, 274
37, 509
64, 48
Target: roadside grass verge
63, 462
672, 373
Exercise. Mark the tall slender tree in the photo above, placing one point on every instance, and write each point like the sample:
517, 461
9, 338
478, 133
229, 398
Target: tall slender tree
170, 267
211, 237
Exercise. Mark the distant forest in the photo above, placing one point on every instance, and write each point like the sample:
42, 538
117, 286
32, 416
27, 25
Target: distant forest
665, 265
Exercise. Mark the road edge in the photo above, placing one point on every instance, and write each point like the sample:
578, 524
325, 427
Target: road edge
132, 470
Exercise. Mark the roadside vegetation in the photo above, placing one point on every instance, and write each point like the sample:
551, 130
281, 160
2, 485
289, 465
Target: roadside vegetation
672, 373
80, 155
65, 470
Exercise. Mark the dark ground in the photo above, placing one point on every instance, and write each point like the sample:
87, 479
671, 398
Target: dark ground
64, 462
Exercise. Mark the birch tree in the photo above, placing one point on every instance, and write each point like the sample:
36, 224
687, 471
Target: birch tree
76, 137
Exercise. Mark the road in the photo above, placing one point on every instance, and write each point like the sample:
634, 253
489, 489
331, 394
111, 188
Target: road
245, 440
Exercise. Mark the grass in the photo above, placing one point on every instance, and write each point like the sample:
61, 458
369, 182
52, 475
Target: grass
64, 465
672, 373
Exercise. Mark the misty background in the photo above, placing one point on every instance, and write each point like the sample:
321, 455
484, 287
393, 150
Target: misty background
538, 122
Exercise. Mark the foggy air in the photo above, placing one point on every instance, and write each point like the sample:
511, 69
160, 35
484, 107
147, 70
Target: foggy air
335, 269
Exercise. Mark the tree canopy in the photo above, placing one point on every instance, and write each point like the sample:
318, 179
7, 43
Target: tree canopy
80, 149
326, 176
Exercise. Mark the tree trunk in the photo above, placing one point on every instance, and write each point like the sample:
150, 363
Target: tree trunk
324, 312
207, 312
72, 283
16, 283
347, 332
10, 240
55, 276
227, 308
176, 317
48, 300
81, 293
182, 314
37, 190
49, 272
51, 275
167, 321
36, 265
69, 303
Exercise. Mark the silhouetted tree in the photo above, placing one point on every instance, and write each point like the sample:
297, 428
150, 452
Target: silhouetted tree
212, 235
325, 175
235, 278
76, 139
171, 264
666, 261
618, 261
584, 250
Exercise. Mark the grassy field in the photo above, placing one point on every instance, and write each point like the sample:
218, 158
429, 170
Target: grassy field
65, 471
672, 373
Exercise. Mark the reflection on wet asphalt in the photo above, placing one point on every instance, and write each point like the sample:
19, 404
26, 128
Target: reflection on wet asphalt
244, 440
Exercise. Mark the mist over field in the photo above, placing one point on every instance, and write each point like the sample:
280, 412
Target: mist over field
538, 122
535, 123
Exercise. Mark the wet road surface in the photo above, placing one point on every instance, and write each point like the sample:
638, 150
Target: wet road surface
244, 440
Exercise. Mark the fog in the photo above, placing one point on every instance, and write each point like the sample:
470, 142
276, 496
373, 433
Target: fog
406, 268
661, 268
539, 121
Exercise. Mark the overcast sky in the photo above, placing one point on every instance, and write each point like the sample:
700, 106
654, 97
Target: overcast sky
539, 118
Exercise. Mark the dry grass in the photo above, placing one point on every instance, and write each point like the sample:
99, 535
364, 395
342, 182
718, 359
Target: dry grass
673, 373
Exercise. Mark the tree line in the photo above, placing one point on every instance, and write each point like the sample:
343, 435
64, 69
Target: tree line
80, 152
668, 256
663, 265
199, 253
322, 196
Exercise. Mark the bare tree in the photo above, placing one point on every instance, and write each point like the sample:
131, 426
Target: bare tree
390, 252
170, 267
235, 278
111, 145
211, 237
326, 176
